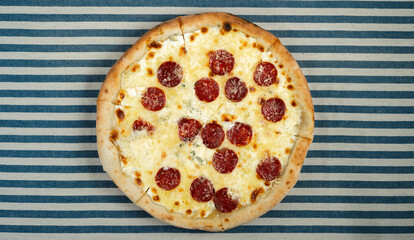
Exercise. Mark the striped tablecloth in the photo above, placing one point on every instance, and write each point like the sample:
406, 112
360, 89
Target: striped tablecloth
357, 181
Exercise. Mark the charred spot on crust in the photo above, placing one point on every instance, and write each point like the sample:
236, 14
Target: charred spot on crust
255, 194
106, 90
123, 159
135, 67
183, 51
188, 211
155, 44
114, 135
227, 27
287, 183
151, 54
204, 29
120, 114
290, 87
156, 198
293, 103
150, 72
226, 220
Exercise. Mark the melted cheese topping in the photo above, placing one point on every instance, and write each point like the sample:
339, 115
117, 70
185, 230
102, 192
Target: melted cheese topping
145, 152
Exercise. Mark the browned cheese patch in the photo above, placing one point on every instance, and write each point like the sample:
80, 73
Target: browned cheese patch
255, 194
155, 44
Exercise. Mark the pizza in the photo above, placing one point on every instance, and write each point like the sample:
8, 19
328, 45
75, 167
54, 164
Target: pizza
205, 121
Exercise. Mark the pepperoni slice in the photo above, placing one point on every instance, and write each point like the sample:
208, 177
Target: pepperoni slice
269, 168
273, 109
224, 202
168, 178
153, 99
202, 190
188, 129
212, 135
221, 62
265, 74
225, 160
235, 89
240, 134
170, 74
206, 89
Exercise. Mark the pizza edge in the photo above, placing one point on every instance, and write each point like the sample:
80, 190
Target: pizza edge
284, 184
109, 154
112, 84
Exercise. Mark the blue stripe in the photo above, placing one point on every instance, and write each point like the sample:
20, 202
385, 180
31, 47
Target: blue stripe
287, 199
315, 94
299, 184
48, 154
216, 3
53, 78
49, 108
361, 139
310, 79
270, 214
360, 154
123, 48
318, 124
306, 169
362, 124
164, 17
241, 229
109, 63
318, 139
47, 124
92, 109
358, 169
311, 154
359, 79
47, 139
138, 33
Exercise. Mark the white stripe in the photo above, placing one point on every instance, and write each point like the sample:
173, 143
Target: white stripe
48, 146
355, 176
51, 161
116, 55
48, 131
315, 146
203, 236
362, 86
133, 207
364, 132
155, 222
364, 116
303, 176
306, 71
359, 162
293, 192
52, 85
363, 101
193, 10
313, 86
49, 101
130, 40
268, 26
48, 116
316, 101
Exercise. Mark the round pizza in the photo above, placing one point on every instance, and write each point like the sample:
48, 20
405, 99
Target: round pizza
205, 121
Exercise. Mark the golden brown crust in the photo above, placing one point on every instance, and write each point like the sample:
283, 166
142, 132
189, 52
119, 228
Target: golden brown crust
229, 22
283, 185
111, 85
108, 153
210, 223
302, 94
